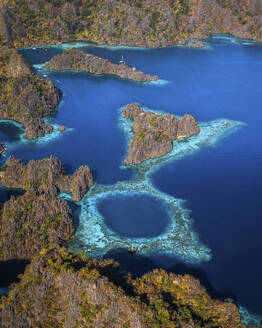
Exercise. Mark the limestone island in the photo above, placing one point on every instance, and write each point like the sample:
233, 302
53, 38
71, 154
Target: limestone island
37, 218
77, 60
154, 134
24, 96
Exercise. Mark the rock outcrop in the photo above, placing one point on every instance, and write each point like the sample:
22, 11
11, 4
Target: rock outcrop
61, 289
78, 60
47, 176
24, 96
38, 219
33, 221
154, 134
147, 23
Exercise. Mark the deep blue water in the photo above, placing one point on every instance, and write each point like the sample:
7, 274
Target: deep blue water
134, 216
222, 185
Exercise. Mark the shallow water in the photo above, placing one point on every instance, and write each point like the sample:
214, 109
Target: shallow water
220, 184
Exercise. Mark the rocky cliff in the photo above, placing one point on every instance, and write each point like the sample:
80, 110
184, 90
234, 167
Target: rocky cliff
154, 134
61, 289
38, 219
24, 96
75, 59
47, 176
150, 23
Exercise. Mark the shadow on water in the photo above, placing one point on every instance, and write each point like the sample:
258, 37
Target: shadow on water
9, 132
6, 193
75, 213
138, 265
10, 270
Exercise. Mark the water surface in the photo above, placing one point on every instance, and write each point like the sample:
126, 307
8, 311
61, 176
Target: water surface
221, 185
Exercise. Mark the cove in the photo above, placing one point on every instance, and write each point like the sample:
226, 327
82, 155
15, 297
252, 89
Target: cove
134, 215
218, 186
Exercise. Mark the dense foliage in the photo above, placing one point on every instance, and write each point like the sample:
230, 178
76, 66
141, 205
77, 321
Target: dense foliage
131, 22
61, 289
24, 96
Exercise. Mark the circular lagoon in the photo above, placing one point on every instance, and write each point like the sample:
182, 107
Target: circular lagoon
134, 215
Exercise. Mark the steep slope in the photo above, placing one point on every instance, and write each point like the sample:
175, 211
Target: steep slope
24, 96
38, 219
60, 289
151, 23
75, 59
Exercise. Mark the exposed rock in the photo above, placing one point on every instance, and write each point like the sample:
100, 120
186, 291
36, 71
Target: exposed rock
60, 289
195, 44
38, 219
33, 221
154, 134
150, 23
76, 59
24, 96
46, 175
61, 128
78, 183
187, 127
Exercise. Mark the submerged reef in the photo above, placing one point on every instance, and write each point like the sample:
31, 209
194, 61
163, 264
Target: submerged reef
148, 23
61, 289
77, 60
179, 239
154, 134
38, 219
24, 96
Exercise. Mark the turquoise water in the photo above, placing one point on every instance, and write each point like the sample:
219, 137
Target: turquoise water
214, 178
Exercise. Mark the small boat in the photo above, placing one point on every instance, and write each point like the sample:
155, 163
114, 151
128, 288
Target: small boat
132, 250
122, 61
226, 123
2, 148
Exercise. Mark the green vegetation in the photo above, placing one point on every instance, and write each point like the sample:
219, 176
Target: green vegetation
57, 282
131, 22
24, 96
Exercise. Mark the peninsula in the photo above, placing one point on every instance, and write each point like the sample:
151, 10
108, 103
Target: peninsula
38, 219
154, 134
24, 96
77, 60
62, 289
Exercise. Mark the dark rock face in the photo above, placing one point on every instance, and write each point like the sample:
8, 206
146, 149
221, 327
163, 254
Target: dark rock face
154, 134
38, 219
25, 97
46, 175
75, 59
60, 289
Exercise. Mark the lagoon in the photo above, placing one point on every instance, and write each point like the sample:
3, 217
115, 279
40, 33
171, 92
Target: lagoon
220, 182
